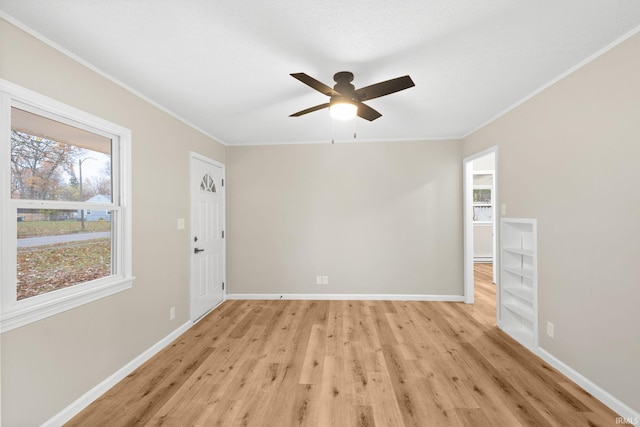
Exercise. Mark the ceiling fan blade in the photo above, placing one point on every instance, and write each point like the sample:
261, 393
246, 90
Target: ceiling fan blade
384, 88
310, 110
315, 84
367, 112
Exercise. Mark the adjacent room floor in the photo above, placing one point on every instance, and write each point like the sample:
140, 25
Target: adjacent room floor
348, 363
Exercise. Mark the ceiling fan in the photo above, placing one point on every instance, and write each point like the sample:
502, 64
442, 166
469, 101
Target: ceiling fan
345, 100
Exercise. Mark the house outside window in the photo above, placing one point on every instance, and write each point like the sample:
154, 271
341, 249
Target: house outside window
65, 212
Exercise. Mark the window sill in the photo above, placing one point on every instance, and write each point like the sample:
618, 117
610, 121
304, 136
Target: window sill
25, 315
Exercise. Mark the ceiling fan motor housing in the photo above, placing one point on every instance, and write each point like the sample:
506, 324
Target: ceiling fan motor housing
343, 85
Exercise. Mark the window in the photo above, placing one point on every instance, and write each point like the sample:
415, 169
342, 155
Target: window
64, 207
483, 197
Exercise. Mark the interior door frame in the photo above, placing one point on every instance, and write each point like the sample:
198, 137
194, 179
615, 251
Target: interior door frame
197, 156
467, 203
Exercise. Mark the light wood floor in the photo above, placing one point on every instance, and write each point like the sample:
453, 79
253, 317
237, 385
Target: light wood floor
348, 363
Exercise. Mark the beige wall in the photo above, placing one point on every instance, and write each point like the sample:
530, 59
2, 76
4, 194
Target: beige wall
50, 363
570, 157
377, 218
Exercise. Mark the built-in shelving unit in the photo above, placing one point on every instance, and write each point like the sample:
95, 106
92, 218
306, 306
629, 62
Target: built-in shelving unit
518, 300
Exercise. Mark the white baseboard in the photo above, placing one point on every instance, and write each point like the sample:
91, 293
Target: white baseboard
86, 399
632, 416
396, 297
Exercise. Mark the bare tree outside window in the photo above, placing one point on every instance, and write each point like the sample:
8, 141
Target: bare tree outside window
38, 166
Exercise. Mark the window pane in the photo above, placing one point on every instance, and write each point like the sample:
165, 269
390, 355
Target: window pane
51, 160
56, 249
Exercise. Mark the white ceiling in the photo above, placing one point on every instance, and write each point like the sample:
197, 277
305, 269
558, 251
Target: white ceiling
223, 65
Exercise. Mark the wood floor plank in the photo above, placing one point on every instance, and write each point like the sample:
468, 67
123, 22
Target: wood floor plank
491, 404
474, 417
413, 407
525, 412
348, 364
314, 356
386, 411
226, 414
334, 407
208, 386
363, 416
383, 329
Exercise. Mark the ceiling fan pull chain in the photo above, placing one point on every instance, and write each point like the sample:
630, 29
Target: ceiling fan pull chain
354, 128
333, 133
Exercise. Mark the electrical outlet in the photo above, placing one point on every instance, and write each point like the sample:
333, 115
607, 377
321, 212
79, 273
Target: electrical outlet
318, 280
550, 329
172, 313
325, 280
503, 209
180, 223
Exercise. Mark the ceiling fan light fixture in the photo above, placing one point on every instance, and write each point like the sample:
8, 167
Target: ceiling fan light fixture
345, 101
343, 110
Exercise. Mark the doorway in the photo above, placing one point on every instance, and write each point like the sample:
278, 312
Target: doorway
207, 235
480, 178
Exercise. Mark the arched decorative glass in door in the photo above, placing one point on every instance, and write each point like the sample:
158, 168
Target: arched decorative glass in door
207, 184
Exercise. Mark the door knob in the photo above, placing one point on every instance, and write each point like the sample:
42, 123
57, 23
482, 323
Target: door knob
196, 250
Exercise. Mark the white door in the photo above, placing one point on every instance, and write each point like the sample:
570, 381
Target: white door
207, 235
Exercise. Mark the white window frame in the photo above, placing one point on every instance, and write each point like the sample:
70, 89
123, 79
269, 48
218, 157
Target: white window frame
13, 313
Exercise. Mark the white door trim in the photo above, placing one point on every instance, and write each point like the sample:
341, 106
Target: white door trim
197, 156
467, 203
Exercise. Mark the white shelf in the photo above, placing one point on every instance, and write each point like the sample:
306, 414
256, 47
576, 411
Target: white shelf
521, 310
520, 292
519, 251
518, 301
523, 272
